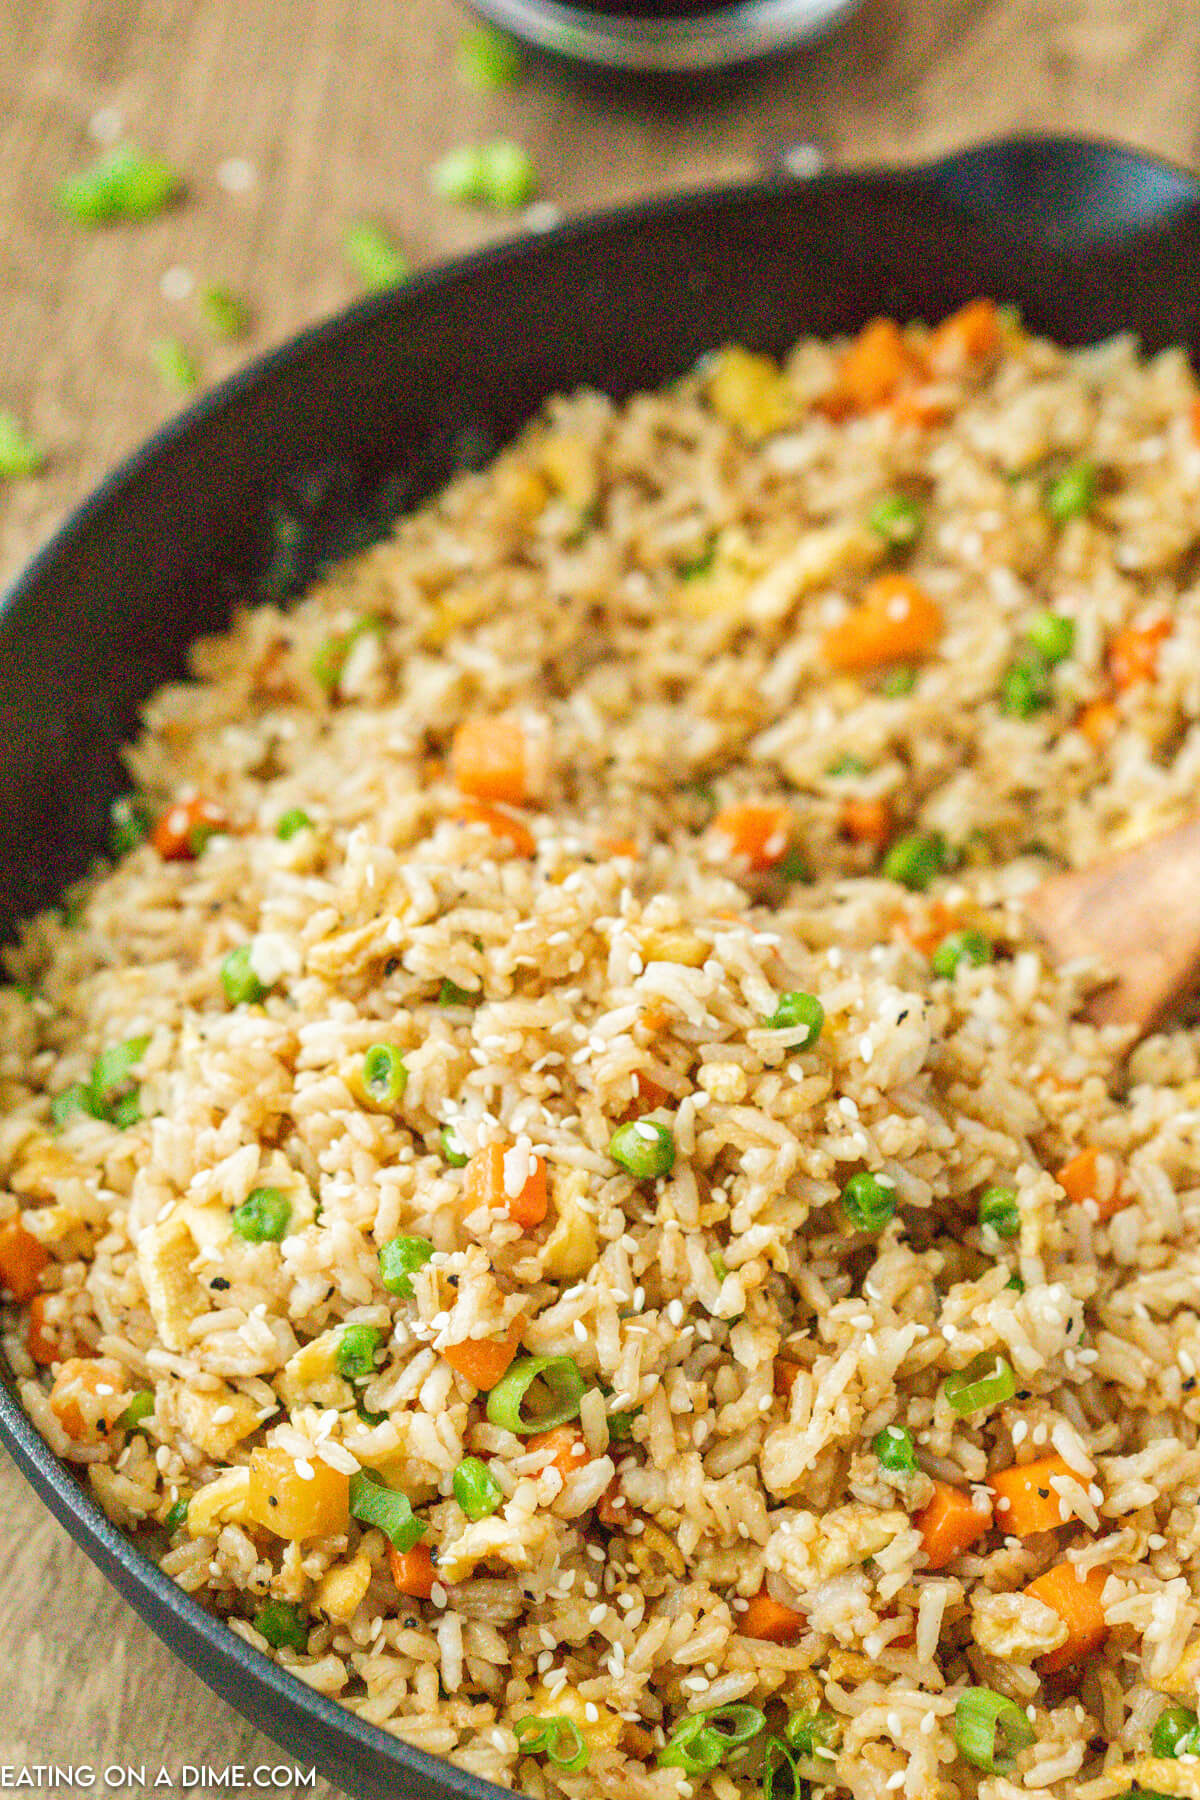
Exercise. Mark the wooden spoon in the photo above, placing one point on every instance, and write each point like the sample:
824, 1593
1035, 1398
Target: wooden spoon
1137, 914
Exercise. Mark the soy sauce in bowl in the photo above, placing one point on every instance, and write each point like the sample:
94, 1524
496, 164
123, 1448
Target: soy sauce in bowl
666, 35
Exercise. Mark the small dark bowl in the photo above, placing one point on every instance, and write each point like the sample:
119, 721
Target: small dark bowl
247, 491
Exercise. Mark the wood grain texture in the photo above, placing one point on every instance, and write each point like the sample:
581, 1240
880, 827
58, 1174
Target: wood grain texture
340, 108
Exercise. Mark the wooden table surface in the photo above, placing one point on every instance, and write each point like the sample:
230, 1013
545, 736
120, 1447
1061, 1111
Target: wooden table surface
292, 118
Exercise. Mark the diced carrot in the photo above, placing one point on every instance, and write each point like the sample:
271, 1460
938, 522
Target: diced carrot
1025, 1501
866, 822
482, 1361
949, 1524
755, 833
768, 1618
1195, 416
22, 1259
873, 367
1078, 1602
969, 337
612, 1508
1133, 653
490, 1182
895, 619
97, 1380
1098, 721
654, 1018
181, 832
785, 1376
648, 1096
565, 1446
500, 824
1093, 1177
919, 406
40, 1341
412, 1570
939, 919
619, 846
488, 760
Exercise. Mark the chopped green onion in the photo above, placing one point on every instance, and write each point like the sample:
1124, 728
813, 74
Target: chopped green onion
387, 1509
868, 1202
1072, 492
283, 1625
264, 1216
450, 994
986, 1381
333, 652
499, 174
895, 1449
241, 984
899, 682
384, 1075
1016, 1283
990, 1730
19, 454
476, 1488
917, 860
128, 824
559, 1740
126, 1111
720, 1267
112, 1073
139, 1409
898, 520
703, 1740
643, 1149
74, 1102
847, 765
292, 824
781, 1779
124, 184
356, 1351
366, 1415
620, 1425
797, 1009
175, 364
1025, 688
224, 312
399, 1259
970, 949
452, 1150
379, 262
999, 1212
808, 1732
1176, 1733
1052, 635
516, 1404
488, 60
177, 1516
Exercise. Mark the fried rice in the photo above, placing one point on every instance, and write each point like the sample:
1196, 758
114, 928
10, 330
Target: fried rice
611, 886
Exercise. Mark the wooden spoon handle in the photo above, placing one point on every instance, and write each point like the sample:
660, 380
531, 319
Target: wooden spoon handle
1138, 915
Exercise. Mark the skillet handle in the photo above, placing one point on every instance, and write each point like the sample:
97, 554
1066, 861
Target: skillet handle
1068, 193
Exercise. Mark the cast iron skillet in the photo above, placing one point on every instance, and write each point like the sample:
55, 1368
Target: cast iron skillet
371, 411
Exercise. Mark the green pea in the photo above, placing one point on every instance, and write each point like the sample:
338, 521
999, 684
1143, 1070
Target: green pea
1176, 1733
1052, 635
476, 1489
961, 948
895, 1449
868, 1202
242, 986
264, 1216
1025, 688
643, 1149
898, 520
292, 823
917, 860
357, 1350
795, 1010
399, 1259
1072, 493
999, 1211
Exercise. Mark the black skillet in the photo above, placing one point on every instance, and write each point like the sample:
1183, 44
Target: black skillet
247, 491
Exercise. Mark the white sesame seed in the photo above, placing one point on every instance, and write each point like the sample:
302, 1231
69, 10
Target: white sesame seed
176, 283
105, 125
236, 175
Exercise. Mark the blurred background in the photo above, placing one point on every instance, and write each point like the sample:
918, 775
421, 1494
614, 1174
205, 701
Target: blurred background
290, 155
